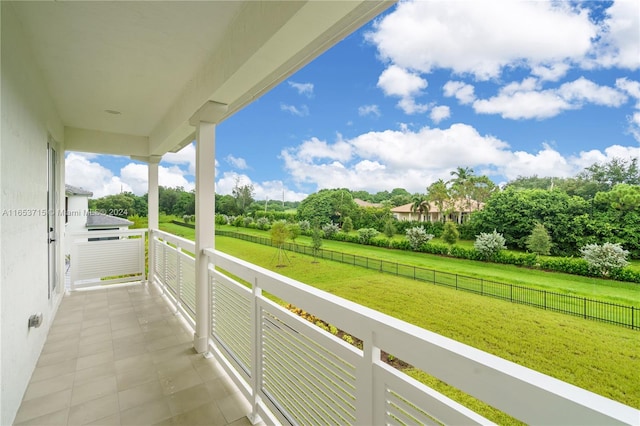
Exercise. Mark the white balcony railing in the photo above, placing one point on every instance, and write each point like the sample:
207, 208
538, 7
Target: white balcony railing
106, 257
294, 372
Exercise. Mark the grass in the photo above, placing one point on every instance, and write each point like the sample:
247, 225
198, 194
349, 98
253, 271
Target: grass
575, 285
602, 358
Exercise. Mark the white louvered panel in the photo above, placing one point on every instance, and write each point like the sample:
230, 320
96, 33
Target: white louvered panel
409, 402
171, 270
159, 248
97, 259
304, 373
188, 272
231, 319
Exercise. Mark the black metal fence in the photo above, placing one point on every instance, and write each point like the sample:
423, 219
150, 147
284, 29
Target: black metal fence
627, 316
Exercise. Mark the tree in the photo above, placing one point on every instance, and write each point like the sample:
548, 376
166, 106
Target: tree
294, 231
316, 241
605, 258
539, 241
330, 229
347, 225
327, 206
489, 244
438, 194
243, 195
450, 233
417, 236
420, 205
279, 234
389, 229
120, 205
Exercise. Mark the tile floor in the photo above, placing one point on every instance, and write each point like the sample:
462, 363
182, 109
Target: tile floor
119, 356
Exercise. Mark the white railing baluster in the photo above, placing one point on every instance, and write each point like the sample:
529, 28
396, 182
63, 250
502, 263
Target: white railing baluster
256, 353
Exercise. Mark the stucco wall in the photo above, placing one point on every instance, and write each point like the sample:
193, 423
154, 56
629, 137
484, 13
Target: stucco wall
28, 120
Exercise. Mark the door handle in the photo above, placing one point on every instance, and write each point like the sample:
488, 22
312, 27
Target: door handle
51, 240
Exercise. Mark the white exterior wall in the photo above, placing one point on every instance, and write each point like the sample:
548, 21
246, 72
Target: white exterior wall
28, 120
77, 208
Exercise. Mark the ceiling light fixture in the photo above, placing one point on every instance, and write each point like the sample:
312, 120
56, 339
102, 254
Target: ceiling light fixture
112, 111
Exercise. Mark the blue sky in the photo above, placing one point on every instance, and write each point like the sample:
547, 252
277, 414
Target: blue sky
506, 88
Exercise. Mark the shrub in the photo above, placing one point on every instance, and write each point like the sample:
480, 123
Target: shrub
365, 235
347, 225
221, 219
605, 258
304, 225
263, 223
450, 233
417, 236
489, 244
248, 221
294, 231
330, 229
539, 240
238, 221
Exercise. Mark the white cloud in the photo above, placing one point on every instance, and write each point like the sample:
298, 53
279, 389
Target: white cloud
300, 112
632, 88
365, 110
619, 43
237, 162
414, 159
92, 176
463, 92
314, 148
303, 88
137, 177
550, 72
273, 190
482, 37
396, 81
186, 155
440, 113
524, 100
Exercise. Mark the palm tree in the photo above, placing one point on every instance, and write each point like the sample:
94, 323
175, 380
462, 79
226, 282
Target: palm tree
419, 204
438, 193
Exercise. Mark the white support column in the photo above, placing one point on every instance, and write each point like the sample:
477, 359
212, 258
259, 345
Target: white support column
204, 120
152, 205
152, 213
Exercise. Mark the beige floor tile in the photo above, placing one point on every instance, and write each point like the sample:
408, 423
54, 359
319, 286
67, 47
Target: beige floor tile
129, 340
103, 370
141, 394
94, 359
135, 377
118, 332
57, 418
189, 399
53, 370
58, 357
181, 350
96, 329
93, 410
94, 322
95, 338
94, 348
205, 415
162, 343
221, 387
146, 414
51, 347
174, 366
184, 380
112, 420
133, 362
127, 351
49, 386
43, 405
234, 407
93, 389
208, 369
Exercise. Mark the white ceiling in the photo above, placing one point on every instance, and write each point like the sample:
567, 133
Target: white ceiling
157, 62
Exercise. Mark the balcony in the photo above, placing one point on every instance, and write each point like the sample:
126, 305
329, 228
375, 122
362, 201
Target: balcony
124, 355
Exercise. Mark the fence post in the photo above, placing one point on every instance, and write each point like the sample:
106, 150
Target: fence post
584, 306
545, 299
456, 281
481, 287
633, 323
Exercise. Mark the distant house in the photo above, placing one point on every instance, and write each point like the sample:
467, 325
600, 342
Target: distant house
79, 219
362, 203
456, 210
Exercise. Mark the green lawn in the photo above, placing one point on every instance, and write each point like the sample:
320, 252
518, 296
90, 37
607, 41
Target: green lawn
595, 288
595, 356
